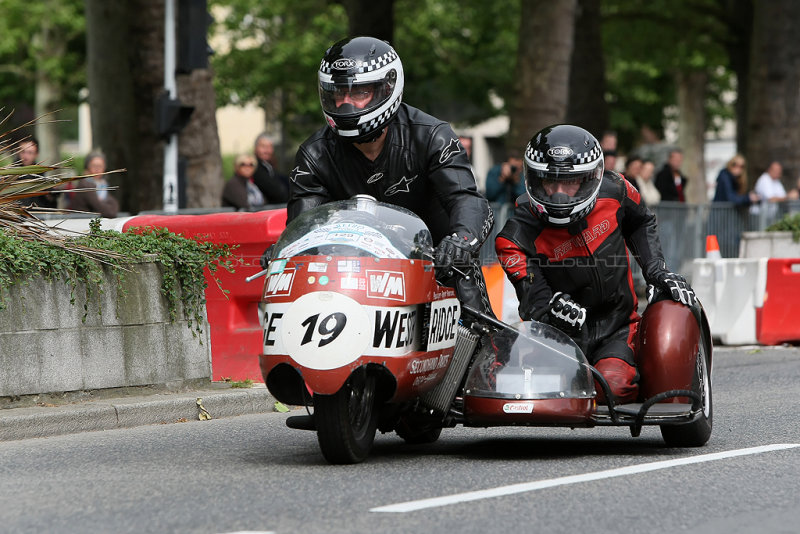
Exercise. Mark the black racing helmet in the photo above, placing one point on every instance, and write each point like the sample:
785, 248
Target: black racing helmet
563, 171
360, 87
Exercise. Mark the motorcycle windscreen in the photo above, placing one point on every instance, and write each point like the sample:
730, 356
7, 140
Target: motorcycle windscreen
536, 362
359, 227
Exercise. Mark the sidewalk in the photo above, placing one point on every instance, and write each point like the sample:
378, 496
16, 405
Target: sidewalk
43, 416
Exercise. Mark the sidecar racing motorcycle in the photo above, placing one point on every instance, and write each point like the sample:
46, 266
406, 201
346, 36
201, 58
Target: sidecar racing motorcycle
358, 330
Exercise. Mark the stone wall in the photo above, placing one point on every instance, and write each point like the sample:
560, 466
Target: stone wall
117, 339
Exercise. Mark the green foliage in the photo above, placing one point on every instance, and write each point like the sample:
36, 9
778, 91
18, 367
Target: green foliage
183, 261
790, 223
275, 52
454, 53
29, 31
646, 43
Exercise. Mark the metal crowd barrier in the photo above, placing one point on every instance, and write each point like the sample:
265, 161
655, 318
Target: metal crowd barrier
683, 228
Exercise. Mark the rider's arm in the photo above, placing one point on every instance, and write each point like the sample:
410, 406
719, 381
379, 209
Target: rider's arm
306, 187
533, 291
450, 174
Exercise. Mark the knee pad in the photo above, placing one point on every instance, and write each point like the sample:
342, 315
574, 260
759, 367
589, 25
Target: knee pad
621, 378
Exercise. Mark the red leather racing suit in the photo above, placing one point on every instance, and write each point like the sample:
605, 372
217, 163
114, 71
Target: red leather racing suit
589, 261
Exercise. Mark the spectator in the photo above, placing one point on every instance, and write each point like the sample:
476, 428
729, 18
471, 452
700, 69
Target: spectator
28, 154
633, 167
504, 181
671, 183
769, 186
644, 183
91, 194
731, 183
274, 186
608, 143
240, 191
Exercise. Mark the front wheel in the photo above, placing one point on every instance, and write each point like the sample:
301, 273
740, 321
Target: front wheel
346, 420
697, 433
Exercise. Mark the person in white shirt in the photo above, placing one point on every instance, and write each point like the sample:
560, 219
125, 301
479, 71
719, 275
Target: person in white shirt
769, 188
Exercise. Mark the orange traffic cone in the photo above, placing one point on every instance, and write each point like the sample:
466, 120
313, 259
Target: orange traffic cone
712, 248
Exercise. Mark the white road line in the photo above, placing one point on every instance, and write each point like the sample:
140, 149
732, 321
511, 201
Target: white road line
412, 506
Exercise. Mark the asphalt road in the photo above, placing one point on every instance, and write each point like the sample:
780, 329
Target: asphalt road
251, 473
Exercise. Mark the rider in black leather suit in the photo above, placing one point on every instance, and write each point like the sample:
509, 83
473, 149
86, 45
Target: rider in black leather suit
565, 251
374, 144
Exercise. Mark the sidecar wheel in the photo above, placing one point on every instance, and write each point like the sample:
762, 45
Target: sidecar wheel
694, 434
346, 421
414, 434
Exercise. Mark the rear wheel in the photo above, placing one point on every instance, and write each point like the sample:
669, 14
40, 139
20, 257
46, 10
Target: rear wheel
346, 420
415, 432
697, 433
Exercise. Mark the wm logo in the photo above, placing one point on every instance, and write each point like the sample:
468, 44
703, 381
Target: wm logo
386, 285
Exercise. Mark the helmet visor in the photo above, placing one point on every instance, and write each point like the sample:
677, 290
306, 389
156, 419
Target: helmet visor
344, 98
563, 187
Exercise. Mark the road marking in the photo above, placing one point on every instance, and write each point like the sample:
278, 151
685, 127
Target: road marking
412, 506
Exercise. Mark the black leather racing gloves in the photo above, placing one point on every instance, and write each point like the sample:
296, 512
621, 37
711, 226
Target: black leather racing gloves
563, 313
673, 285
454, 252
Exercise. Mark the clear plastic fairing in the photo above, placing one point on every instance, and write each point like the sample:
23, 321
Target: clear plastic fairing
536, 362
360, 226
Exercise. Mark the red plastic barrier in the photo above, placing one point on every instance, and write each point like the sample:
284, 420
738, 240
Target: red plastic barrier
236, 336
778, 321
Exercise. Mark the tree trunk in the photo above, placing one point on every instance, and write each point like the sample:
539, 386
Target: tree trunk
371, 17
587, 105
691, 87
199, 141
739, 20
125, 42
774, 92
47, 100
541, 87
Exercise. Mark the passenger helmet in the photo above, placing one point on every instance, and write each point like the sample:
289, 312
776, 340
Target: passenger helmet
360, 87
570, 156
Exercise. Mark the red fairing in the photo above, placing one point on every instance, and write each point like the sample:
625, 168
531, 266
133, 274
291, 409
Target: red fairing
327, 316
669, 340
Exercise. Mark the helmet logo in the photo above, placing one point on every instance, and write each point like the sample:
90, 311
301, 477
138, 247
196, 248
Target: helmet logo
344, 64
560, 152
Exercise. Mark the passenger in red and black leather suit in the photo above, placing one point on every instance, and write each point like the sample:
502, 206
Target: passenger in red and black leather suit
564, 249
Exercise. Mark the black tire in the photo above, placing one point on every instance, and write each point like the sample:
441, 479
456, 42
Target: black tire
346, 420
414, 433
697, 433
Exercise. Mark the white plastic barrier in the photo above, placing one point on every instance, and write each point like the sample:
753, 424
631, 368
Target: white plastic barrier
731, 290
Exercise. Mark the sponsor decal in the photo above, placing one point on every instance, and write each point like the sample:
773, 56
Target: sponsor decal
280, 284
428, 364
395, 328
443, 320
375, 177
584, 238
277, 266
560, 152
348, 266
400, 187
344, 63
453, 147
317, 267
518, 407
386, 285
353, 283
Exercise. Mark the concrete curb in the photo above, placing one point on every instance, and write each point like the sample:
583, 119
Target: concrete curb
113, 413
